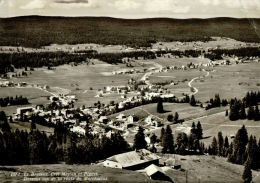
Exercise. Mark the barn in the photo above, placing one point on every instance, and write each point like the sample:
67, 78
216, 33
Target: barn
133, 160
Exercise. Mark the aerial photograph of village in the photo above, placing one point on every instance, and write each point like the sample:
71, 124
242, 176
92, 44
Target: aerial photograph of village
130, 91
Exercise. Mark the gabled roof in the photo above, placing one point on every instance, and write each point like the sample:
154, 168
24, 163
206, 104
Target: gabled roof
134, 157
152, 169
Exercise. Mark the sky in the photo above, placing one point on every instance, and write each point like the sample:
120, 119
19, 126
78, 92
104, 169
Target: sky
133, 8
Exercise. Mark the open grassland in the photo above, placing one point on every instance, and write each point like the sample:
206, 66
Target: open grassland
84, 80
90, 171
64, 30
35, 97
172, 61
229, 81
26, 126
206, 169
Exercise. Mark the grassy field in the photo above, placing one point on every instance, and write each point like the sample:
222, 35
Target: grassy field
206, 169
229, 81
64, 30
35, 97
79, 79
26, 126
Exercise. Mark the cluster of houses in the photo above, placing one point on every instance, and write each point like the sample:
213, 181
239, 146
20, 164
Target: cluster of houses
12, 84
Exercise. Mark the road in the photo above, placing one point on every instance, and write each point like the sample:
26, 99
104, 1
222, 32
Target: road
196, 89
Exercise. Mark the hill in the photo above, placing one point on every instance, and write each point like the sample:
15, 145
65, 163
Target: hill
36, 31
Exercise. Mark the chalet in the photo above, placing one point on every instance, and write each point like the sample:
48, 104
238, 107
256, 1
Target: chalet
103, 119
79, 130
156, 173
121, 117
133, 160
24, 112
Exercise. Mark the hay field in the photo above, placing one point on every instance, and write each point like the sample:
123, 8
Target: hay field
229, 81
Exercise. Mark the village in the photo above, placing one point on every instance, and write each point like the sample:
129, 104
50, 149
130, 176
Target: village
107, 119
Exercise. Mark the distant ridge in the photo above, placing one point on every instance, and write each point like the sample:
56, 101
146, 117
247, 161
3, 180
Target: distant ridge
36, 31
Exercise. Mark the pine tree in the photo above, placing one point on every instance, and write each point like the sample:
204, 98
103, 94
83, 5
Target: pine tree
220, 144
168, 145
153, 139
214, 146
256, 113
242, 112
139, 141
181, 143
247, 174
192, 101
176, 117
162, 136
252, 152
230, 155
199, 131
226, 146
240, 143
226, 113
191, 140
160, 106
250, 113
193, 129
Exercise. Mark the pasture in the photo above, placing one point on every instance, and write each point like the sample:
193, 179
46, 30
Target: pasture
229, 81
206, 169
35, 97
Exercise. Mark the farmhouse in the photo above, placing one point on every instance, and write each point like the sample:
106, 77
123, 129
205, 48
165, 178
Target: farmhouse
23, 112
103, 119
133, 160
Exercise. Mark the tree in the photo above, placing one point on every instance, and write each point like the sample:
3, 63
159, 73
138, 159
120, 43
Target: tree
181, 143
193, 129
247, 174
160, 106
139, 141
162, 135
192, 101
191, 143
226, 146
176, 117
242, 112
252, 152
240, 142
168, 145
256, 113
214, 146
220, 144
226, 113
250, 113
153, 138
199, 131
170, 117
6, 127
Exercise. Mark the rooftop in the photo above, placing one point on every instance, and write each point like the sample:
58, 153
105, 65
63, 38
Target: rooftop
134, 157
